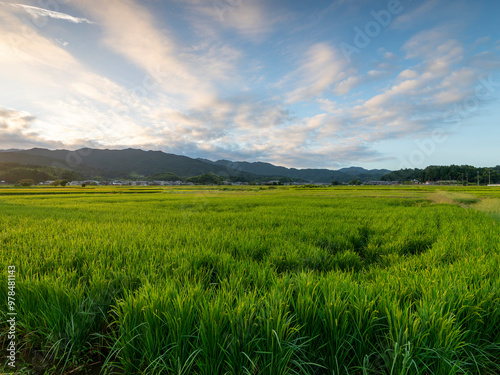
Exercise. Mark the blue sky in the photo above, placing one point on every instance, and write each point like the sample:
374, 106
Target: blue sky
308, 84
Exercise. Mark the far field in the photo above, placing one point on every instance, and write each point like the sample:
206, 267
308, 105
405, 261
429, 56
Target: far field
249, 280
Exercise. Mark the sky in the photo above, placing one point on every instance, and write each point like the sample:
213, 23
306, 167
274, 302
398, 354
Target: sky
307, 84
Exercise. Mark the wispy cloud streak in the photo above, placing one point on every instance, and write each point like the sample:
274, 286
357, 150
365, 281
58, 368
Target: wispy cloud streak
40, 12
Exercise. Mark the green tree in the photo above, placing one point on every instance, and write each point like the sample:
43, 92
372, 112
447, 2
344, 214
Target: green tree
64, 182
206, 179
167, 176
26, 182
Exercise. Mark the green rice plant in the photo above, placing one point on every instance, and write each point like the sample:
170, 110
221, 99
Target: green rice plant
157, 330
365, 319
213, 335
241, 351
65, 320
195, 280
347, 260
467, 201
282, 348
338, 334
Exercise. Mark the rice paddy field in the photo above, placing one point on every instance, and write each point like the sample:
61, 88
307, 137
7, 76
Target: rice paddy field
249, 280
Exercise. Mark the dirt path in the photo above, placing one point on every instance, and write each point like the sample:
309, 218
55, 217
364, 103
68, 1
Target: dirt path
488, 205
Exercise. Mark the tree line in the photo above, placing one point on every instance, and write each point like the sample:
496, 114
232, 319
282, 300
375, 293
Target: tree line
460, 173
13, 173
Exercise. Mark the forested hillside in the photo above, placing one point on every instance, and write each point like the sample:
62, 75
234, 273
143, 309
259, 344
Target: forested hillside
14, 172
462, 173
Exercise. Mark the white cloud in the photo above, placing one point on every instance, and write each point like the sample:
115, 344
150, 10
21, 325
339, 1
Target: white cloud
328, 105
420, 94
132, 31
85, 108
201, 100
425, 44
387, 55
218, 62
322, 67
481, 41
76, 104
407, 20
190, 74
407, 74
37, 12
16, 131
62, 43
390, 56
485, 61
251, 19
347, 85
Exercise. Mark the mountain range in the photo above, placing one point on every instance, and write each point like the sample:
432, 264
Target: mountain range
135, 163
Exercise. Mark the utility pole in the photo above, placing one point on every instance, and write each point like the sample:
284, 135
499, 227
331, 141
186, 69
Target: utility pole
477, 178
467, 179
489, 177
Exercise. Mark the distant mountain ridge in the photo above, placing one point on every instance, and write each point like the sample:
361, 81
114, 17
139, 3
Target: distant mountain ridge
134, 162
313, 175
